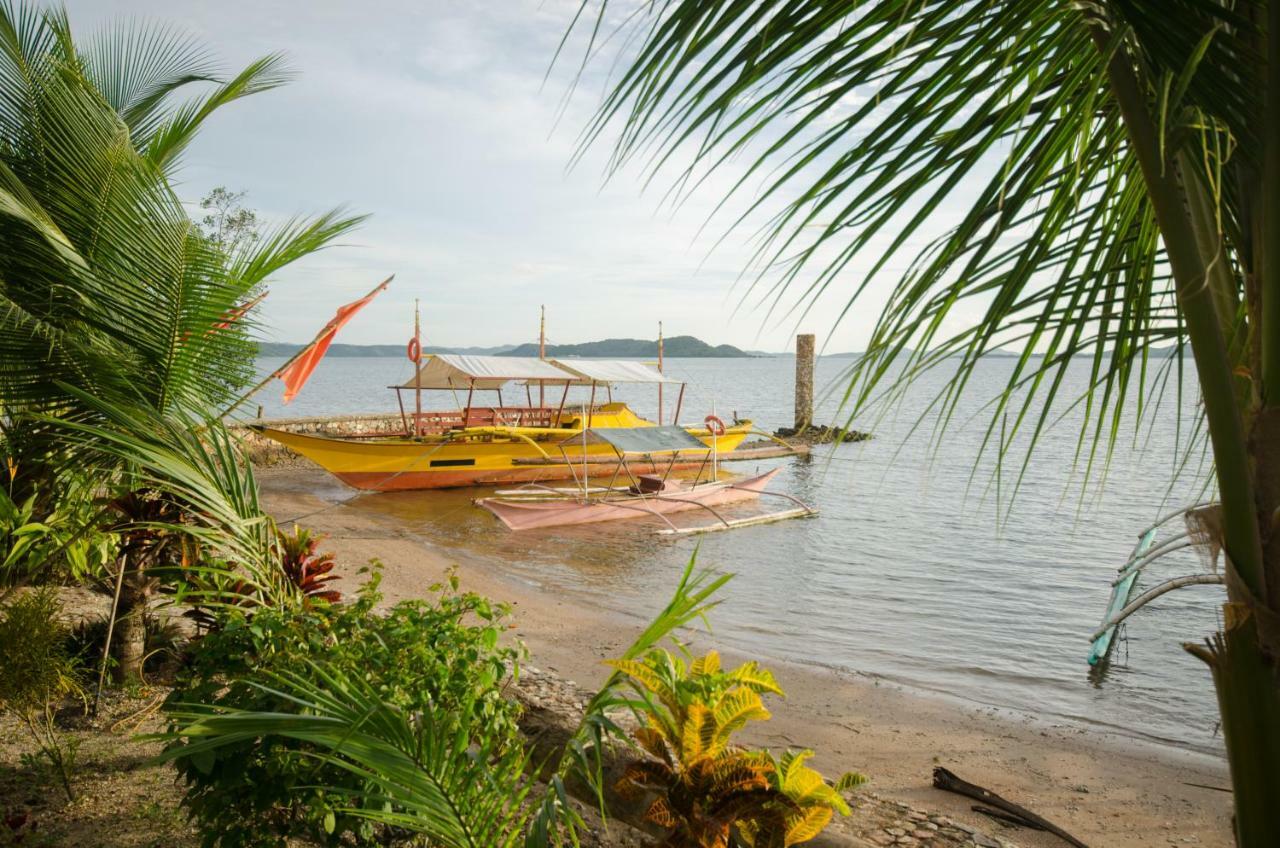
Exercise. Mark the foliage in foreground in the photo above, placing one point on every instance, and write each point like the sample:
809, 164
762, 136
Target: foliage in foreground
707, 791
1109, 176
110, 295
450, 775
437, 658
38, 675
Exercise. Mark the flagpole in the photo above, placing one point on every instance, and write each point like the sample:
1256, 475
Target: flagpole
240, 402
417, 378
542, 354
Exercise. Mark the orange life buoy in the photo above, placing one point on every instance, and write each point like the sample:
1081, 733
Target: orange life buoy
714, 425
414, 351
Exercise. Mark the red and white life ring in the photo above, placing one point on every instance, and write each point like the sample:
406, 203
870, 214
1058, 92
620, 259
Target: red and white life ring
714, 425
414, 351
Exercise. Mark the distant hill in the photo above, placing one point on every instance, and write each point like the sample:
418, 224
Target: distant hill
676, 346
288, 349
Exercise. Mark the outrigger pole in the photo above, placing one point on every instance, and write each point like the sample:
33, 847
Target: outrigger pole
276, 373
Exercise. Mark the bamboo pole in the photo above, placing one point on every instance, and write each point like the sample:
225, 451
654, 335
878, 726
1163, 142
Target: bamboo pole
659, 371
542, 351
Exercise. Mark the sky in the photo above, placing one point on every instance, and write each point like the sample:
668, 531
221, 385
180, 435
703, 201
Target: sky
437, 120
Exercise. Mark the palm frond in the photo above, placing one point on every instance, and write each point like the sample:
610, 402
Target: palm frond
862, 125
423, 773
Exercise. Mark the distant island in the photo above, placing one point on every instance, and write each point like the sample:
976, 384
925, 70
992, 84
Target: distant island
341, 350
676, 347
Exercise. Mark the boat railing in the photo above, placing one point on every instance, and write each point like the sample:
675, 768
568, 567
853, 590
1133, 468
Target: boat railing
438, 423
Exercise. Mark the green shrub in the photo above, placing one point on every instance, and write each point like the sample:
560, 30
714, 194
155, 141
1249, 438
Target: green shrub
434, 657
37, 676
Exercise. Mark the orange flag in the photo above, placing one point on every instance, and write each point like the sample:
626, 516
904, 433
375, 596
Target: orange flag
298, 371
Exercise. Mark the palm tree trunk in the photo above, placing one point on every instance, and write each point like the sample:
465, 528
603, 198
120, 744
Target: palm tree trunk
1249, 705
131, 643
1244, 671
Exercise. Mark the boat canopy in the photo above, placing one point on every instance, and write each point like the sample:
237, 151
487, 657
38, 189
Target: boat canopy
640, 439
603, 371
459, 371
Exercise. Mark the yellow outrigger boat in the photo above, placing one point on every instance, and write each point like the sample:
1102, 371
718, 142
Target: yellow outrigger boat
503, 444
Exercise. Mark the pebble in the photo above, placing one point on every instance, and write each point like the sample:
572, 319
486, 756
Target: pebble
895, 831
923, 834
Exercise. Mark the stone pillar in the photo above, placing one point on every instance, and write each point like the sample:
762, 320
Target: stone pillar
804, 381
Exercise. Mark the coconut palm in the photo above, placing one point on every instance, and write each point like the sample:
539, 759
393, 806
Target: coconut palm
108, 290
1115, 167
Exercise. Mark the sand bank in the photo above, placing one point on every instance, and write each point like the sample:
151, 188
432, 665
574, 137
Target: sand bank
1106, 789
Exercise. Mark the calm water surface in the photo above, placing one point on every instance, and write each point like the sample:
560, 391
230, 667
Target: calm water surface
905, 574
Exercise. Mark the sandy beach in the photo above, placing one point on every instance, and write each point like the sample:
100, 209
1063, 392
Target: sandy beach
1105, 789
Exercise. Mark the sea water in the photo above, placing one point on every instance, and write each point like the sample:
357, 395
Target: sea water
919, 570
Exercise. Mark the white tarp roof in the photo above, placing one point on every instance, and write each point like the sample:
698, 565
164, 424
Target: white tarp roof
589, 371
457, 371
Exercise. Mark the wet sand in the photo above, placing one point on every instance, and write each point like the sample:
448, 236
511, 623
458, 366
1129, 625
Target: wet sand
1105, 789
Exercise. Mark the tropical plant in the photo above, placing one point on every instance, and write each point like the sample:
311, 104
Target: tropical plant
108, 291
439, 657
708, 791
38, 675
309, 571
439, 773
1115, 167
185, 505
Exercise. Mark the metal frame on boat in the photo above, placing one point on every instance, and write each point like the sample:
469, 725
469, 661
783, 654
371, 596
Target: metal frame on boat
537, 506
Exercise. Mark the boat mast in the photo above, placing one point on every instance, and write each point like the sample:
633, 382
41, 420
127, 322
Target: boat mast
660, 371
417, 373
542, 351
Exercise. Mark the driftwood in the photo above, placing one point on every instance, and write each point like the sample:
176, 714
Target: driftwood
949, 782
1007, 818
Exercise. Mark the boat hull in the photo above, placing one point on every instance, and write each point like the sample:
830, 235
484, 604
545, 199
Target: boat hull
532, 515
388, 465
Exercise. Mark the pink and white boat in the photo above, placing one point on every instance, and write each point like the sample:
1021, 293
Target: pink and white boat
647, 496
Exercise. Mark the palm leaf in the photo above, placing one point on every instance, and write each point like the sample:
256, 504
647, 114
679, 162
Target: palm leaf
869, 121
425, 776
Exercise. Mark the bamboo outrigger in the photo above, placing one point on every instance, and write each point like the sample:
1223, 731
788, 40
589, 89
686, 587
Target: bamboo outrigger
641, 495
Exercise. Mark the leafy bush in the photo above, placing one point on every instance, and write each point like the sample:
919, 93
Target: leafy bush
707, 791
433, 774
420, 658
38, 674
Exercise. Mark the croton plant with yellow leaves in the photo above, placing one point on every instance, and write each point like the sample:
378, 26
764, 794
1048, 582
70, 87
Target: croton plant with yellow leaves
707, 791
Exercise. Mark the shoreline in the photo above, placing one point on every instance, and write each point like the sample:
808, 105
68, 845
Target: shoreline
1104, 787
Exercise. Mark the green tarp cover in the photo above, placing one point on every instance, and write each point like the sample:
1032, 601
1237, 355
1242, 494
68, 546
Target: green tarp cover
641, 439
